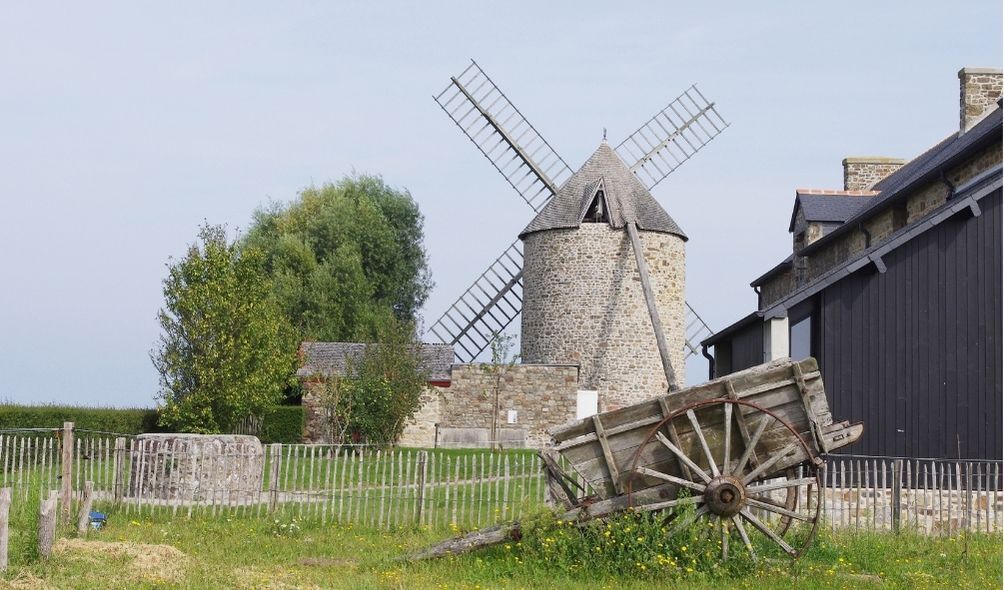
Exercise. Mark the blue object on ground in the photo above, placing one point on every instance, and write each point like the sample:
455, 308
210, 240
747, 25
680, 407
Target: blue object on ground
97, 519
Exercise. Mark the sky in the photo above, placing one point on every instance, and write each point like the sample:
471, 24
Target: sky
127, 125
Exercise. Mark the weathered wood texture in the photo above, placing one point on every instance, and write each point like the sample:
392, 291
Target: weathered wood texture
792, 390
84, 515
4, 527
653, 311
67, 466
47, 525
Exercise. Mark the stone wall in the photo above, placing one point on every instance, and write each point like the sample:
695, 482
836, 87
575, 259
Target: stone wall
420, 429
583, 305
543, 396
777, 287
919, 204
225, 468
979, 89
863, 173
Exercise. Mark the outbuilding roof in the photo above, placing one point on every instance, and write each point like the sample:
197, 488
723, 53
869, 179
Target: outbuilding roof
828, 207
332, 358
627, 199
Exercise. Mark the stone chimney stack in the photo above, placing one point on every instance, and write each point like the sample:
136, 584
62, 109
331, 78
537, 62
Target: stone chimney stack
979, 89
862, 173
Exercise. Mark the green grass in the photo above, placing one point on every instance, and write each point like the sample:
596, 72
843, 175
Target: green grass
290, 553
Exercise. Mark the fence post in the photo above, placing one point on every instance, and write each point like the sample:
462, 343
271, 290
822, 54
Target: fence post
897, 488
273, 477
84, 516
969, 496
420, 500
47, 525
4, 526
67, 468
118, 479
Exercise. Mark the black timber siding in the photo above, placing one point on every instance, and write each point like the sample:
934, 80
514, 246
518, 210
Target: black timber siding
915, 352
747, 347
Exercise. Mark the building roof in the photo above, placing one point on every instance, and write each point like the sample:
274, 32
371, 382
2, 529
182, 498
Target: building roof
731, 329
828, 207
966, 197
332, 358
921, 170
780, 267
626, 197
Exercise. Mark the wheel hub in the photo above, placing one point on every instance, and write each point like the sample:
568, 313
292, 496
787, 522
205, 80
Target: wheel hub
725, 495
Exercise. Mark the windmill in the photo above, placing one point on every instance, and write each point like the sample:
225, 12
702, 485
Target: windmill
535, 170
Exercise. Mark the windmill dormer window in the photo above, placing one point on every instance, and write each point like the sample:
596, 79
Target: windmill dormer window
597, 212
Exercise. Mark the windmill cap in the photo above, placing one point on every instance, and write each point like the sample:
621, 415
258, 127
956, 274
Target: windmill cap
627, 199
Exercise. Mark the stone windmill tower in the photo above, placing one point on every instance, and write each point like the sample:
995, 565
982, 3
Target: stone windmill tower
603, 280
581, 301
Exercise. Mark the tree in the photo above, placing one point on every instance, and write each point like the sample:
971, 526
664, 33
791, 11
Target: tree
226, 351
380, 390
502, 362
345, 259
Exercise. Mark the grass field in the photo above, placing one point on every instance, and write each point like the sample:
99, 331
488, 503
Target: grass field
253, 553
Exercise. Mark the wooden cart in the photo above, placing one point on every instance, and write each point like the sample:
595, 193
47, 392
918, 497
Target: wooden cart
742, 452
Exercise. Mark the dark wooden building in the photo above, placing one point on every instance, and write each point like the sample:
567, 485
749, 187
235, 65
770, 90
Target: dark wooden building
895, 287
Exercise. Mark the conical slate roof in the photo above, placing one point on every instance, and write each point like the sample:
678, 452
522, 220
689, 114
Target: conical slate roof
626, 198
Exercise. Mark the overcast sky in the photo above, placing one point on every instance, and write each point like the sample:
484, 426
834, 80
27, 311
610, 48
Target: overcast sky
124, 126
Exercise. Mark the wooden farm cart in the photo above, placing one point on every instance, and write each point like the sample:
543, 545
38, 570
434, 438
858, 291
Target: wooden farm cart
742, 453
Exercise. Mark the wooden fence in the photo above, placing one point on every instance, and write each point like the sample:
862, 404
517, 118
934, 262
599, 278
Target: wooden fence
442, 488
930, 496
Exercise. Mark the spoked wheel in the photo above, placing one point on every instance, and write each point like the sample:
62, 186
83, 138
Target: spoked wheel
747, 473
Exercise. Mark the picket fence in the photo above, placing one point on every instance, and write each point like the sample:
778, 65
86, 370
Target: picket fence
443, 488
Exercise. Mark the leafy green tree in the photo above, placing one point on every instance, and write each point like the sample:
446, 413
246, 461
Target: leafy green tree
380, 390
345, 258
226, 351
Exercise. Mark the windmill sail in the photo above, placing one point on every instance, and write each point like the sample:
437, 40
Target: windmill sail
504, 136
671, 137
696, 331
486, 308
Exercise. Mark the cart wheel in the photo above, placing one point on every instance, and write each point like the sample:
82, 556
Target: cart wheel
718, 452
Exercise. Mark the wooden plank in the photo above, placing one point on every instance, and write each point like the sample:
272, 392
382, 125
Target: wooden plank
611, 465
653, 310
774, 375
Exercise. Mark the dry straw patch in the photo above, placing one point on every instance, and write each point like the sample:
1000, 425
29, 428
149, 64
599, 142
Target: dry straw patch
154, 563
26, 580
268, 579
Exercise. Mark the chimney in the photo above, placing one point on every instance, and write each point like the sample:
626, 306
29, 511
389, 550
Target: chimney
862, 173
979, 89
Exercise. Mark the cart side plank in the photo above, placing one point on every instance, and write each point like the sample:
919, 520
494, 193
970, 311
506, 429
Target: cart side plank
791, 390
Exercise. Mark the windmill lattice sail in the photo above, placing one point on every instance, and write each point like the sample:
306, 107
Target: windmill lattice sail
504, 136
536, 171
486, 308
696, 331
671, 137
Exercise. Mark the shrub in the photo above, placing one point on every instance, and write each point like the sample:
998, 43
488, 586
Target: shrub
125, 421
284, 424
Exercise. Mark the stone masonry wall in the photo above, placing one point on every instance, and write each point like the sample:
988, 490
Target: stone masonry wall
420, 429
918, 206
863, 173
979, 89
583, 304
543, 396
